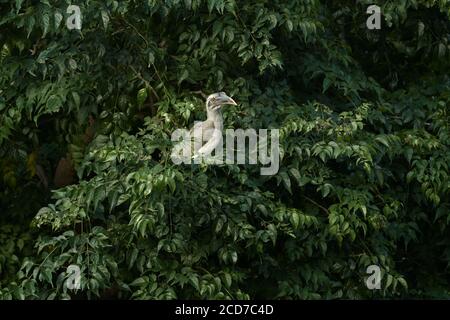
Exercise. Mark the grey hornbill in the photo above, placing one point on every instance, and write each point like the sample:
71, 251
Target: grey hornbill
206, 135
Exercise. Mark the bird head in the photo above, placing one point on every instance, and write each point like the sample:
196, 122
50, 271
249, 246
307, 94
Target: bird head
216, 100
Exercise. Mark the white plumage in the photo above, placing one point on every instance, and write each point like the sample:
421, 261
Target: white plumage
206, 135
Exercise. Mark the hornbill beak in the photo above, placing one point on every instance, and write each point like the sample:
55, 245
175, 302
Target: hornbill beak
227, 100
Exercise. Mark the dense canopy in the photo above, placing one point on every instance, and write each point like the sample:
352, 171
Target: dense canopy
86, 178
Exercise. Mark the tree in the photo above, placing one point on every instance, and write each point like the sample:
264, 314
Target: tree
87, 180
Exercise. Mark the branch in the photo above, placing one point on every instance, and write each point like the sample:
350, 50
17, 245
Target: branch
315, 203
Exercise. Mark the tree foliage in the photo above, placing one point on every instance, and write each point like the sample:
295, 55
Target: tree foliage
85, 171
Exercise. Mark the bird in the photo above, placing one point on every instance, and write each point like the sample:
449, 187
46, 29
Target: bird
205, 136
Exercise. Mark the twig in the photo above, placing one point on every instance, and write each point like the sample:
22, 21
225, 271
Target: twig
145, 81
204, 95
315, 203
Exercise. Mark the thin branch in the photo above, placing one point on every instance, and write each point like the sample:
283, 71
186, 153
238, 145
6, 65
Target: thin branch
138, 74
204, 95
315, 203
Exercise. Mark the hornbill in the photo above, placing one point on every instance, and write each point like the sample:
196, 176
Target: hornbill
206, 135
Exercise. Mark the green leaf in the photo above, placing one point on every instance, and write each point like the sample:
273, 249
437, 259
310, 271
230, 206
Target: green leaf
105, 18
58, 18
141, 96
139, 282
295, 219
383, 140
289, 25
45, 23
296, 174
421, 28
134, 254
76, 99
228, 280
403, 282
390, 278
194, 281
441, 49
326, 84
286, 181
53, 104
234, 256
184, 76
18, 5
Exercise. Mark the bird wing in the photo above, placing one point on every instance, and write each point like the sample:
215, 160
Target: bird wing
203, 127
214, 138
200, 132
